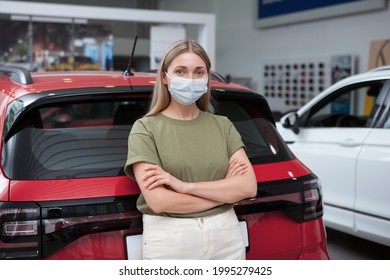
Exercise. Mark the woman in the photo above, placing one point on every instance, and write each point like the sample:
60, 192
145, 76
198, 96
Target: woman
190, 165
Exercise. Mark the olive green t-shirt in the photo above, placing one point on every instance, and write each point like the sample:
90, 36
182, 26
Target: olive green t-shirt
195, 150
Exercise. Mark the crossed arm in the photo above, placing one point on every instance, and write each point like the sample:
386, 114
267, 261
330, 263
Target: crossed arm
165, 193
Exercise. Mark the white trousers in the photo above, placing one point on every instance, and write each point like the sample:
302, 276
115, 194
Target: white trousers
209, 238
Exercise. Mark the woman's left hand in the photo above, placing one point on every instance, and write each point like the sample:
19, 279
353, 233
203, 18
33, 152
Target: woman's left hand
155, 176
236, 167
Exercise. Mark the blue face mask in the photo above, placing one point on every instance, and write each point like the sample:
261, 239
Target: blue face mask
187, 91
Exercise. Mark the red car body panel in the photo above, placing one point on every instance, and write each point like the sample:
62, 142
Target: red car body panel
281, 239
47, 190
280, 235
47, 81
98, 246
44, 190
280, 170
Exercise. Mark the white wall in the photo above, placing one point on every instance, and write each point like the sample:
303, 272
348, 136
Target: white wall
242, 48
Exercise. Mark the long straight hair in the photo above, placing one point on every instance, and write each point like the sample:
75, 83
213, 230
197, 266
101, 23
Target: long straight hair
161, 97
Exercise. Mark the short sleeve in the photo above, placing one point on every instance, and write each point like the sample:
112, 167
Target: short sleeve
141, 148
234, 138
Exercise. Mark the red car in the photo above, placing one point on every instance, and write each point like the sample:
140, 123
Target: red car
63, 193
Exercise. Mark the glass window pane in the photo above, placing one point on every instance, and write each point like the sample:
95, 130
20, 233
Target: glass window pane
349, 107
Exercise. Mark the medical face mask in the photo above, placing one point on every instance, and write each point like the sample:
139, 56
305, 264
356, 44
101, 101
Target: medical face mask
187, 91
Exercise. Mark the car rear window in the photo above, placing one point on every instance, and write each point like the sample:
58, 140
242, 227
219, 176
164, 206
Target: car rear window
263, 143
89, 139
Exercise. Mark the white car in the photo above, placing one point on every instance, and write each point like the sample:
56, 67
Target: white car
343, 136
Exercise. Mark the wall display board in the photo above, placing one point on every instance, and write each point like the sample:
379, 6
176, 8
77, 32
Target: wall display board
379, 53
270, 13
289, 84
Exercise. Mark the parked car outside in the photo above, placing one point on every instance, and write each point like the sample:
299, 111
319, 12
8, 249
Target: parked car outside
63, 192
343, 135
76, 63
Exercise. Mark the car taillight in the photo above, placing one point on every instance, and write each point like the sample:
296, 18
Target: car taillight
30, 230
298, 198
19, 230
312, 198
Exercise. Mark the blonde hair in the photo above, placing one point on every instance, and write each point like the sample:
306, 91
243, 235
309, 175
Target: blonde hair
161, 97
